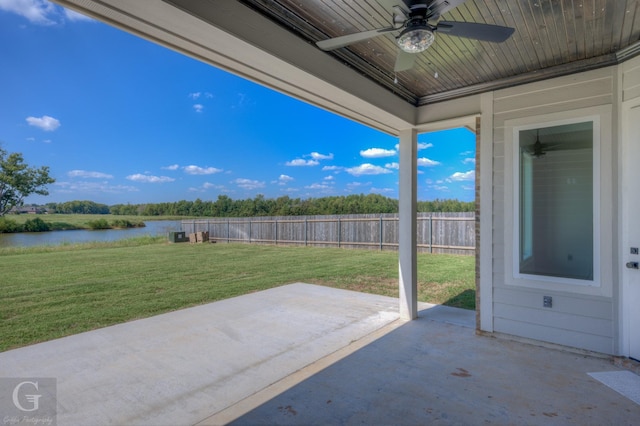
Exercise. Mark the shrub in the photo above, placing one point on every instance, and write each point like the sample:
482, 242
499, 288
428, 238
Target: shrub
99, 224
8, 226
123, 223
61, 226
36, 225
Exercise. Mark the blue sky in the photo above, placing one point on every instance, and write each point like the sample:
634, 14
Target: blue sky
121, 120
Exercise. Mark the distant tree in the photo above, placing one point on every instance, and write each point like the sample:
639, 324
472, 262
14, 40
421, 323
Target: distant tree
82, 207
18, 180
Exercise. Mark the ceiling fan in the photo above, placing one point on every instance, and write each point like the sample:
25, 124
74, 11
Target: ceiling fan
418, 21
539, 149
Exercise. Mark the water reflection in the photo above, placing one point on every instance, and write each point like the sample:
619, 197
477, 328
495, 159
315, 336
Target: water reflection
27, 239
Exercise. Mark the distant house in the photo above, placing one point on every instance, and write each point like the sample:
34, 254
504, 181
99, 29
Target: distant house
27, 210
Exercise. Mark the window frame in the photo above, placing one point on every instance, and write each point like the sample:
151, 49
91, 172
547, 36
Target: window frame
546, 281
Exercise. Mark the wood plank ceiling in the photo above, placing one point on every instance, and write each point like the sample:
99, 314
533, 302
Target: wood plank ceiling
552, 37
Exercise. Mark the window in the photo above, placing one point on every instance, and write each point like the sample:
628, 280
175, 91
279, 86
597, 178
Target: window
555, 202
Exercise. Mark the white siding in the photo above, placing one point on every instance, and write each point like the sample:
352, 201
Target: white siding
576, 319
631, 79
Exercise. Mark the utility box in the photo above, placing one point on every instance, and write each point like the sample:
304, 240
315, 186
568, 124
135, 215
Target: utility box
198, 237
178, 237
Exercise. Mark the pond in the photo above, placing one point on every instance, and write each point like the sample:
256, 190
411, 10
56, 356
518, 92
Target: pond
26, 239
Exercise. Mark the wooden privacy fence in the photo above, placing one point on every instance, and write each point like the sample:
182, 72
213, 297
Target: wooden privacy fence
452, 233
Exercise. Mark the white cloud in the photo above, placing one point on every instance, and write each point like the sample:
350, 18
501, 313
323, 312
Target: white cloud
198, 107
394, 165
197, 170
42, 12
469, 161
331, 168
284, 179
92, 187
301, 162
36, 11
88, 174
318, 156
462, 176
138, 177
381, 190
421, 145
248, 183
46, 123
317, 186
196, 95
377, 153
205, 186
367, 169
329, 177
74, 16
171, 167
427, 162
209, 185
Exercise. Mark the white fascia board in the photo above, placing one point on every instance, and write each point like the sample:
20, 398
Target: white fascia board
239, 40
460, 112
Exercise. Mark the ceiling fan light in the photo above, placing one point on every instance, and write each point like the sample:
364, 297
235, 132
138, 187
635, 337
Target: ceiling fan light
415, 40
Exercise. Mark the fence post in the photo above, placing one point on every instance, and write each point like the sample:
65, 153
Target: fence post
250, 222
381, 234
276, 230
430, 232
339, 231
305, 231
228, 231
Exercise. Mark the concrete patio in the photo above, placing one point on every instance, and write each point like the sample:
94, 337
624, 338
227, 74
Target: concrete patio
306, 354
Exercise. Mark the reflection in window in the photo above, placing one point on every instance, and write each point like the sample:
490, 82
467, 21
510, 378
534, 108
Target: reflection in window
556, 232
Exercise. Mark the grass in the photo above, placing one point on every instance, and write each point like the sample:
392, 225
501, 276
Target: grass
54, 291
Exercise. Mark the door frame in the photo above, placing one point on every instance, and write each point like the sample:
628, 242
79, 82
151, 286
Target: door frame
626, 187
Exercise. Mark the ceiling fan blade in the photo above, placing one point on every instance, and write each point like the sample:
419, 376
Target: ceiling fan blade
337, 42
477, 31
404, 61
390, 5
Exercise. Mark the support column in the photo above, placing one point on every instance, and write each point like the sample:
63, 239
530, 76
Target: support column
408, 270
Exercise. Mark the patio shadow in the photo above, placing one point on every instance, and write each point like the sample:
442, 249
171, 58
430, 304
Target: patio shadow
433, 372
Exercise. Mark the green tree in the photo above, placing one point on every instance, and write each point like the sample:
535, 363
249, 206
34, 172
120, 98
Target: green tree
18, 180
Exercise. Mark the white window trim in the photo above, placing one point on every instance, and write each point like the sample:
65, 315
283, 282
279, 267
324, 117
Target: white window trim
601, 118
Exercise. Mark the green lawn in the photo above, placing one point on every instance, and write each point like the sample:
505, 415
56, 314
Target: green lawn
50, 292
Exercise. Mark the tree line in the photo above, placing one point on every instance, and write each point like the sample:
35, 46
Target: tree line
18, 181
225, 206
